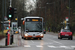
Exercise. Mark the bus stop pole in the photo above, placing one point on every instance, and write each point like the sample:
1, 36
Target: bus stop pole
9, 34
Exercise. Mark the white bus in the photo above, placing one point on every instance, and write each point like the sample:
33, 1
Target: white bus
32, 28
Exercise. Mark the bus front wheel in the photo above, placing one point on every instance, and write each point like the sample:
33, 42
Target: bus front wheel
39, 38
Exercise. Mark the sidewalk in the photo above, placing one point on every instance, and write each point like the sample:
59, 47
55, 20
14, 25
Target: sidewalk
2, 42
15, 39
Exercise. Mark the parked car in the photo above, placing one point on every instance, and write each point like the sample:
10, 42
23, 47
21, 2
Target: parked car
44, 30
65, 33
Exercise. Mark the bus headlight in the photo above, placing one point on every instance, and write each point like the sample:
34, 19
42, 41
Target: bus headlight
41, 34
26, 34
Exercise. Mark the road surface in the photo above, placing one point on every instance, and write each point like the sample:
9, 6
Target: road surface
49, 42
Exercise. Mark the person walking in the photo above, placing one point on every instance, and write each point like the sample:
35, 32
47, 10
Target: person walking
49, 29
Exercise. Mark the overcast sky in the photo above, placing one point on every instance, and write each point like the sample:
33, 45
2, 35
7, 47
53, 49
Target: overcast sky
30, 5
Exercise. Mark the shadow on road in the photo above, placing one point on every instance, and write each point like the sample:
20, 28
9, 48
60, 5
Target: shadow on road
8, 46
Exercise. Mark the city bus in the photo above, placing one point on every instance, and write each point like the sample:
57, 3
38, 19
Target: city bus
32, 27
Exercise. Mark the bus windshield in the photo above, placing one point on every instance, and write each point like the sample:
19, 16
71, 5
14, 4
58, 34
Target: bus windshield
33, 26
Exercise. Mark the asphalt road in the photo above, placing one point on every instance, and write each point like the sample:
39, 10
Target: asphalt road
49, 42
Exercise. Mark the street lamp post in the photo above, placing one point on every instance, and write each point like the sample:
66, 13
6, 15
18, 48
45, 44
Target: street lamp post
69, 10
45, 14
2, 15
23, 7
53, 14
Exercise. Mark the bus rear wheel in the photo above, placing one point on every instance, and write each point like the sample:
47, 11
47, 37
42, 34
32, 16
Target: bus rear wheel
22, 38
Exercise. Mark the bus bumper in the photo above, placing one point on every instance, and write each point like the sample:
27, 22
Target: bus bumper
29, 36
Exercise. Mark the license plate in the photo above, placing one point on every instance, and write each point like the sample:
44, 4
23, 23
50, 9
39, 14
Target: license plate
33, 36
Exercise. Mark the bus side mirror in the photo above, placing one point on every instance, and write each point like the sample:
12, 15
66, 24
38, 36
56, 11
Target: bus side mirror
22, 19
23, 22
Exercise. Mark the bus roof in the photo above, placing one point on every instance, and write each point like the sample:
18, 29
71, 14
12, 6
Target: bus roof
32, 17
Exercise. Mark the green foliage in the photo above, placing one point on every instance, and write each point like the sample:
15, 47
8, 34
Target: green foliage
74, 34
58, 13
2, 34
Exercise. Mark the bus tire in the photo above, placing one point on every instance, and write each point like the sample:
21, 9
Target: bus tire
22, 38
40, 38
71, 38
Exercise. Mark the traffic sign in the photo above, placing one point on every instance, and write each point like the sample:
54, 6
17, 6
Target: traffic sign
15, 18
5, 18
67, 19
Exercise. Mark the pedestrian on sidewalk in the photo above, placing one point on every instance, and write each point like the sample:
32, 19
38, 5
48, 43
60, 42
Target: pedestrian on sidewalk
49, 29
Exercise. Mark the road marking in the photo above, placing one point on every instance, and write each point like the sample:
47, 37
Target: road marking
50, 43
73, 46
32, 41
66, 47
63, 46
55, 41
52, 46
26, 45
39, 46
